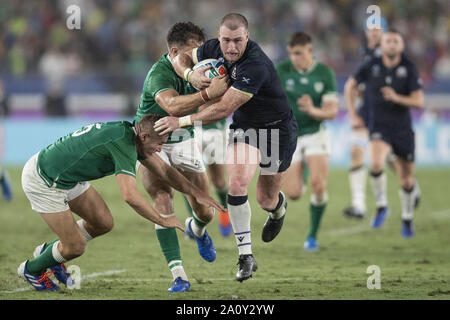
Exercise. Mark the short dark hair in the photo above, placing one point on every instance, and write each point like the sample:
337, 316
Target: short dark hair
234, 20
181, 32
396, 31
300, 39
147, 123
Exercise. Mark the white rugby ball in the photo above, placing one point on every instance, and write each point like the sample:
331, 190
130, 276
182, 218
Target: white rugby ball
217, 69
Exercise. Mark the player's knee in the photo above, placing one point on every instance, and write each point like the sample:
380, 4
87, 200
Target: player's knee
105, 225
377, 166
357, 157
162, 196
318, 186
293, 194
238, 185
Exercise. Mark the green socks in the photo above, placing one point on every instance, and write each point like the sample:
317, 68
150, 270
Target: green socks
44, 260
316, 213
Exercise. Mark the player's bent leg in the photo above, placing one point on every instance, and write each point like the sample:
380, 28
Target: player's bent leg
357, 175
292, 184
162, 196
407, 196
318, 166
379, 153
271, 199
97, 217
69, 245
202, 215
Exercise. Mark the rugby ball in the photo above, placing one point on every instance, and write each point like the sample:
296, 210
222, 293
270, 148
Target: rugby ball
217, 69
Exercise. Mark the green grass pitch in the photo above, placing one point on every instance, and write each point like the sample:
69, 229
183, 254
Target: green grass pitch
127, 263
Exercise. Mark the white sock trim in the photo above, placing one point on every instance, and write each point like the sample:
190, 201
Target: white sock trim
86, 234
157, 226
56, 254
319, 201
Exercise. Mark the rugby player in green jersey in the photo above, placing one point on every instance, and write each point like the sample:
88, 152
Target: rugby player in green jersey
311, 90
165, 93
55, 180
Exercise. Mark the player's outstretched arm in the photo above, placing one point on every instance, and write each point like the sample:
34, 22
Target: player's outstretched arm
229, 103
136, 200
177, 181
181, 105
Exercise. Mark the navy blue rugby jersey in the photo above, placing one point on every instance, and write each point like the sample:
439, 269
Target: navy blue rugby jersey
403, 78
253, 74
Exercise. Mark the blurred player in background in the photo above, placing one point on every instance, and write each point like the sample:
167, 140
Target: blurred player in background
165, 93
56, 182
359, 121
263, 133
393, 86
311, 90
5, 182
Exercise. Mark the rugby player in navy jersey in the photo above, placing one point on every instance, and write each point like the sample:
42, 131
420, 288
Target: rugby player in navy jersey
359, 113
393, 87
263, 132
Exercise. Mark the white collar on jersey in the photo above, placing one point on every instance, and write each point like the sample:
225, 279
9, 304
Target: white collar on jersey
309, 70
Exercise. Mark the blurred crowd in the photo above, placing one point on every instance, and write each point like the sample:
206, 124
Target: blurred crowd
125, 37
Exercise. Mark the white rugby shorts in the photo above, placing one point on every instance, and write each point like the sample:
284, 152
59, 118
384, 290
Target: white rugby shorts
317, 143
46, 199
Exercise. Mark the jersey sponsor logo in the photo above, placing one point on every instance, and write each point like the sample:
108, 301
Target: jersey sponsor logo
304, 80
401, 72
318, 86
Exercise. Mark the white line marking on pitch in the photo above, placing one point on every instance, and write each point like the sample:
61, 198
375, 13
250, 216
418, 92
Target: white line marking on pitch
83, 278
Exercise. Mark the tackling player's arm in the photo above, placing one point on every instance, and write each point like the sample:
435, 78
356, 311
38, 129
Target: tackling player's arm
179, 105
230, 102
132, 196
176, 180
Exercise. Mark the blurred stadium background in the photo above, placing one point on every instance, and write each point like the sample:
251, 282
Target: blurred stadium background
53, 79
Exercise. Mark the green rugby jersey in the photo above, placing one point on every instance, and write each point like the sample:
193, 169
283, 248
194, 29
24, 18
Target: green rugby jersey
318, 82
90, 153
161, 77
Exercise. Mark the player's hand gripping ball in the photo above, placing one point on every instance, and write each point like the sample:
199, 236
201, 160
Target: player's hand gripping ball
218, 68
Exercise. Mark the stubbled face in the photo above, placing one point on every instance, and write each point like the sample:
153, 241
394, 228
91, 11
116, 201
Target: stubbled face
301, 56
233, 42
392, 44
